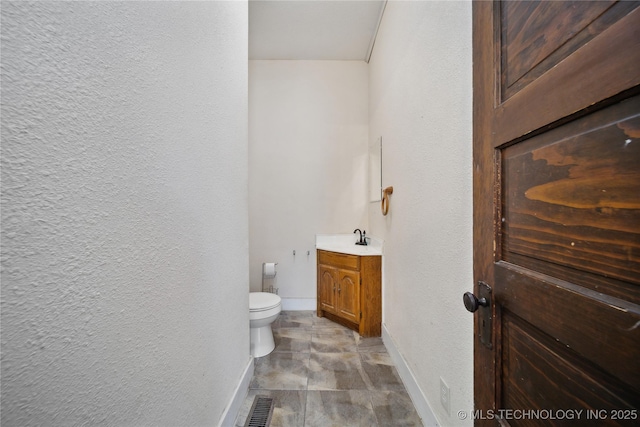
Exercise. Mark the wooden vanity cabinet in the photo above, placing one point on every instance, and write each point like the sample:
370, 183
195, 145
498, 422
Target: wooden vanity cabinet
350, 291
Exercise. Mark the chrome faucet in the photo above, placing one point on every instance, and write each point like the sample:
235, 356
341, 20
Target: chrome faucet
363, 238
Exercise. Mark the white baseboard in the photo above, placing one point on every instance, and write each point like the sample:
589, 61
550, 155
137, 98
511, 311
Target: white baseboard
240, 393
417, 396
298, 304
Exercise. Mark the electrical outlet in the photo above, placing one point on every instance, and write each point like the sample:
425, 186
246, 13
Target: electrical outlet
445, 396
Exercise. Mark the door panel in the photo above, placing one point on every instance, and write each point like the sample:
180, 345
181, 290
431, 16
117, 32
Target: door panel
327, 285
593, 72
571, 197
557, 206
536, 36
601, 330
349, 295
533, 362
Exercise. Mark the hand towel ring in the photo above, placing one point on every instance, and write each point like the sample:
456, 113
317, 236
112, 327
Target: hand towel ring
384, 203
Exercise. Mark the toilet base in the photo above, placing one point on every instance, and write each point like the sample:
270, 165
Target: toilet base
262, 342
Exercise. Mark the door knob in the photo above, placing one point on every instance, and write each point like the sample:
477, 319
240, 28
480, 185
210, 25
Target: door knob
472, 303
484, 321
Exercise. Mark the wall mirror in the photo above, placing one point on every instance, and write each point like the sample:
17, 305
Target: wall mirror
375, 170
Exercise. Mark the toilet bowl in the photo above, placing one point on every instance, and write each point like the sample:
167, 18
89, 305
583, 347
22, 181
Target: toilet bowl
264, 308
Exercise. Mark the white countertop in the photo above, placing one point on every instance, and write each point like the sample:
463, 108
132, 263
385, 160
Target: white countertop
346, 244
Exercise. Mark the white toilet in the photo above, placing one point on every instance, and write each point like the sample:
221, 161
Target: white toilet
264, 308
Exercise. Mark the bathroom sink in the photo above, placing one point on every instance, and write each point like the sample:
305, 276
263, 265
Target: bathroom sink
345, 243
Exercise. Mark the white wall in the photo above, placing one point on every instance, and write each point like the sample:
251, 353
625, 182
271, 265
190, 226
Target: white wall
420, 103
308, 124
124, 212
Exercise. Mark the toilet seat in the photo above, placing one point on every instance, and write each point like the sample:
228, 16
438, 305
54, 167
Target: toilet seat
263, 301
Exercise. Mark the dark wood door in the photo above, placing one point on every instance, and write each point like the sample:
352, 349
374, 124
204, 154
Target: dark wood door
557, 212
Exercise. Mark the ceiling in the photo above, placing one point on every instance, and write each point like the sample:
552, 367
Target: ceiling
313, 29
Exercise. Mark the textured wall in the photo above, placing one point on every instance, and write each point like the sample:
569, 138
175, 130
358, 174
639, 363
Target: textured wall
307, 163
124, 212
420, 103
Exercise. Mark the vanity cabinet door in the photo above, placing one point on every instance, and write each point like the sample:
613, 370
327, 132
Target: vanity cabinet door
327, 288
348, 295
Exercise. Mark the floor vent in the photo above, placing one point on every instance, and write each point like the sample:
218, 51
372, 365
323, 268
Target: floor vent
260, 413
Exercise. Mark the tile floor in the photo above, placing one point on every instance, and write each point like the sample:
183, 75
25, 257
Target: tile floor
322, 374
